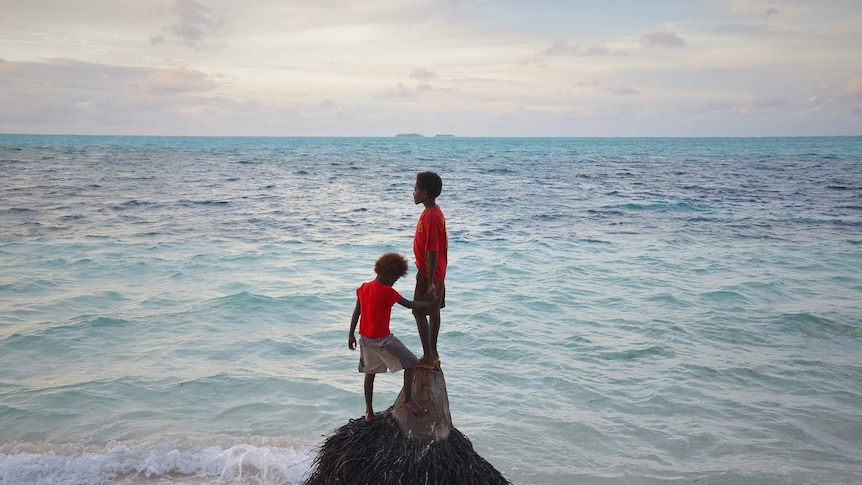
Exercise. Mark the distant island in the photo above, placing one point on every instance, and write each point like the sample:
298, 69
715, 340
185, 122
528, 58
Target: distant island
444, 136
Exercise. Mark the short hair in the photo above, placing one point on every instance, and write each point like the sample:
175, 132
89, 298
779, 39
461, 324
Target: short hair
431, 182
391, 265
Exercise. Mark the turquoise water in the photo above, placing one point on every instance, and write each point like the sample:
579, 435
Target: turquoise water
619, 311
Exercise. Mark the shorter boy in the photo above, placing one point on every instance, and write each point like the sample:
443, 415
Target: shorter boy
379, 350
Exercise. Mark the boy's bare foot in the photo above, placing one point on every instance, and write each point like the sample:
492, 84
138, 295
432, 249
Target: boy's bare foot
425, 363
369, 417
413, 408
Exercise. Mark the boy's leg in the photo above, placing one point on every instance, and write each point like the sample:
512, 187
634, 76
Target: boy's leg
434, 321
407, 361
424, 337
427, 358
433, 332
369, 393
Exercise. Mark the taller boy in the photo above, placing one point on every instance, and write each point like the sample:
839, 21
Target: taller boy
430, 246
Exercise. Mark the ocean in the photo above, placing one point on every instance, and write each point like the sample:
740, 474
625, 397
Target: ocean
619, 311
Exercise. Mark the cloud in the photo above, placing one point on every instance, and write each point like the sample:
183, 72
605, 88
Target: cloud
55, 90
623, 90
601, 87
563, 48
66, 95
398, 91
422, 75
663, 38
177, 80
754, 106
403, 91
853, 88
764, 104
837, 99
195, 27
770, 12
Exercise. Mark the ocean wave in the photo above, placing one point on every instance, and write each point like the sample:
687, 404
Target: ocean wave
656, 207
130, 204
19, 210
667, 298
819, 326
163, 460
725, 296
247, 301
187, 202
502, 171
654, 350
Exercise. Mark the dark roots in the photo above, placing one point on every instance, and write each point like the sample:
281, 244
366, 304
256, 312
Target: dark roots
379, 453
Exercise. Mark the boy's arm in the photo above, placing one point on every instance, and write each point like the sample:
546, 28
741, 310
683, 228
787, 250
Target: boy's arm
351, 340
418, 303
431, 257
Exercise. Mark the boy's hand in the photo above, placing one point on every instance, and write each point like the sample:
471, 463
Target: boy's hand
351, 342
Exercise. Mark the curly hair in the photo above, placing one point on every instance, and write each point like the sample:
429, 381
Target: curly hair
431, 182
391, 265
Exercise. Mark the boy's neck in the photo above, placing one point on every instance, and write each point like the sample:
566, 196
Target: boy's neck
430, 204
384, 280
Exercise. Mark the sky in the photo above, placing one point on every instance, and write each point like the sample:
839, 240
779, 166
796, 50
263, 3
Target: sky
462, 67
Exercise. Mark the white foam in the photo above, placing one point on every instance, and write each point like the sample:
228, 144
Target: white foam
161, 461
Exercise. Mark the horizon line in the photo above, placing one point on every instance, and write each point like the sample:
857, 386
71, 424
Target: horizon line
447, 136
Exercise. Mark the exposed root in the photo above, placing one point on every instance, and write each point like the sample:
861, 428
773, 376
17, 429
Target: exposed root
380, 453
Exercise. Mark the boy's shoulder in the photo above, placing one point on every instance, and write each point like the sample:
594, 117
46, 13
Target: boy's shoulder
435, 211
438, 212
365, 285
375, 285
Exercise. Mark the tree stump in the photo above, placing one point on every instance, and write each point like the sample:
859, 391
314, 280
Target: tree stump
400, 448
429, 391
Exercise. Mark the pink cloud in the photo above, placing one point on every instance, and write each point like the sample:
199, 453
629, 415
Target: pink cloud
177, 80
563, 48
623, 90
663, 38
854, 87
422, 75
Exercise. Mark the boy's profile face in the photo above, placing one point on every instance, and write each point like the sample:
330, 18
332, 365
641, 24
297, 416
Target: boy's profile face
419, 194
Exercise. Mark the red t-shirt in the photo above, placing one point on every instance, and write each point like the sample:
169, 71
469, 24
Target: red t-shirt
375, 304
431, 236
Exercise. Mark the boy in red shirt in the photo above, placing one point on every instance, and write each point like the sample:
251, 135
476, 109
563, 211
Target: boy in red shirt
430, 246
379, 350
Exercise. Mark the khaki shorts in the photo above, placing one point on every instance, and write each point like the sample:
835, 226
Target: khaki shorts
422, 289
376, 355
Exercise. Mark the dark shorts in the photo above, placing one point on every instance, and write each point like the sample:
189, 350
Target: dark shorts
422, 289
376, 355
